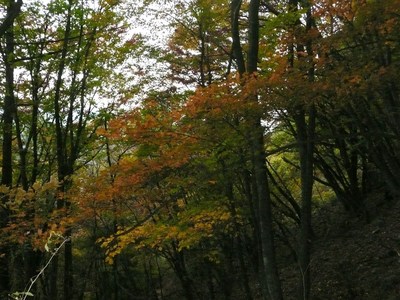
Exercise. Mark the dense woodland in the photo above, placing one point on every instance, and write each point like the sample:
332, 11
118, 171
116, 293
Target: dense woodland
195, 149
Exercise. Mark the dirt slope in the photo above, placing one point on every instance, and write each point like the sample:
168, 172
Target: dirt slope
352, 259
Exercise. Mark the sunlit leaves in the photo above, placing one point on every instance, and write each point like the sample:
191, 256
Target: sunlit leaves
172, 180
188, 229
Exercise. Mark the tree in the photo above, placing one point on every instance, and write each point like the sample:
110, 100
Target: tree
6, 30
263, 197
59, 75
199, 47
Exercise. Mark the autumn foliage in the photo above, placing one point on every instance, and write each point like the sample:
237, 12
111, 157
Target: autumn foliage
207, 174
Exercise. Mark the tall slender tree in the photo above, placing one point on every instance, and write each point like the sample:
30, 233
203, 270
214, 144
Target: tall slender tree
264, 207
7, 30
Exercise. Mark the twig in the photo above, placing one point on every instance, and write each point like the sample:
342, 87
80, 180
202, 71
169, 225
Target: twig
36, 277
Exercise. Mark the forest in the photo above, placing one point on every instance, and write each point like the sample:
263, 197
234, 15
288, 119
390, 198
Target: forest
199, 149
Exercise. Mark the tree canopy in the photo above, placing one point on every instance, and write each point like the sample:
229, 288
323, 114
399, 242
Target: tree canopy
184, 149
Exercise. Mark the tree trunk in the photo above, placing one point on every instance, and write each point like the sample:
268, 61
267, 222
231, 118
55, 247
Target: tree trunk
269, 267
236, 47
260, 168
305, 140
63, 170
240, 252
265, 215
179, 266
13, 9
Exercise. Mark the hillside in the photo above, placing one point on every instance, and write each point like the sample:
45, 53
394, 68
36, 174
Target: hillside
352, 259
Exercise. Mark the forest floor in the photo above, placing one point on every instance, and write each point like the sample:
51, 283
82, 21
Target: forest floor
352, 259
